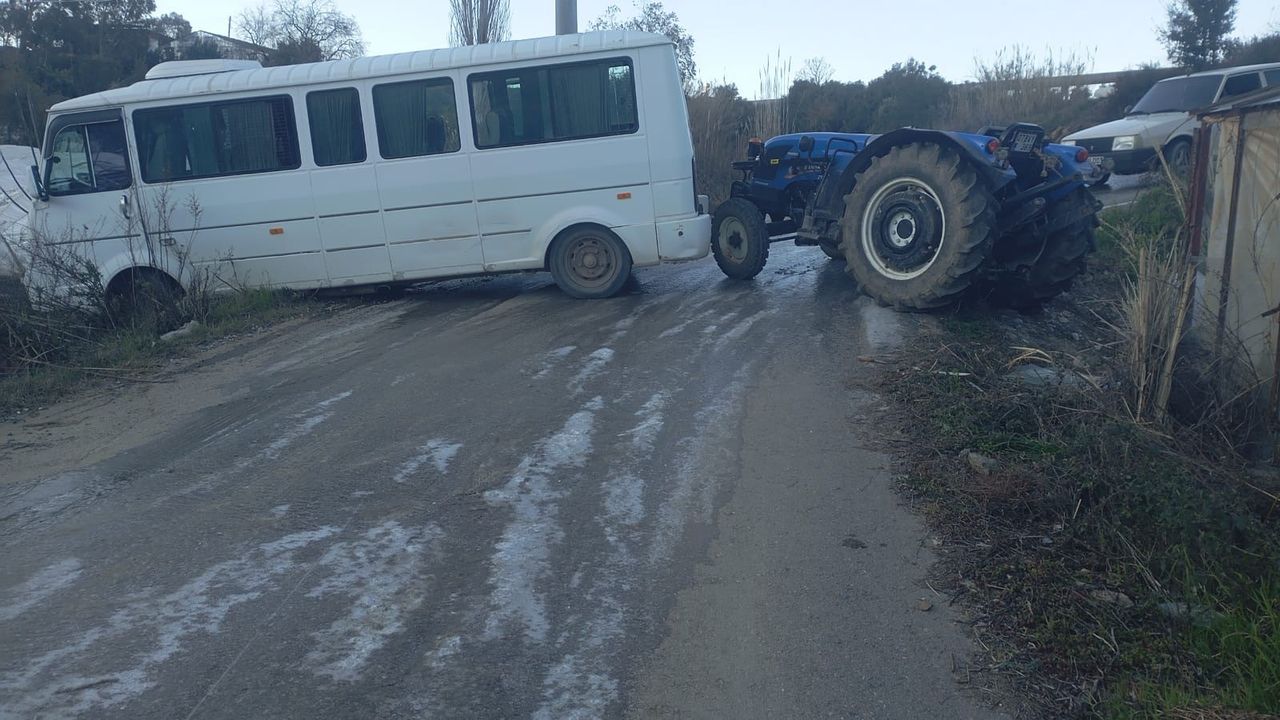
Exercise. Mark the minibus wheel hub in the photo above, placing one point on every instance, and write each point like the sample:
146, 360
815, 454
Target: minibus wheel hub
590, 260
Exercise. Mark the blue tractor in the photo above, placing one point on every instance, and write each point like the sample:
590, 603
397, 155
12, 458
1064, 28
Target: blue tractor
921, 217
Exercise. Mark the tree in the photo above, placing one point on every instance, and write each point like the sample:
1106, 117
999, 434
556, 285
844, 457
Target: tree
257, 25
171, 25
1253, 51
907, 94
1196, 36
653, 17
301, 31
56, 50
816, 70
472, 22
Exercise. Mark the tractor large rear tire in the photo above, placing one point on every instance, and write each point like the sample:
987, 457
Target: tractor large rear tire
1062, 260
918, 227
739, 239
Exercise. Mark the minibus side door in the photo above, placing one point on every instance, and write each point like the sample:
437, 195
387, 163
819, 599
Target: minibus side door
89, 183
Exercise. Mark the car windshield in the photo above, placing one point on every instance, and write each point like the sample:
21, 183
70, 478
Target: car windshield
1178, 95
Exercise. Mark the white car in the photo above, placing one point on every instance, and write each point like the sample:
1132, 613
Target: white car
1162, 119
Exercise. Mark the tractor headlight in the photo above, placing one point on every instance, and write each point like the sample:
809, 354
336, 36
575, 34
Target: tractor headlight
1124, 142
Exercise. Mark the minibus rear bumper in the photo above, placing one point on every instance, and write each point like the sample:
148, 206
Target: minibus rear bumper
687, 239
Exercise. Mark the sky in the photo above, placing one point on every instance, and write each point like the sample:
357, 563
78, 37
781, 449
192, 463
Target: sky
734, 39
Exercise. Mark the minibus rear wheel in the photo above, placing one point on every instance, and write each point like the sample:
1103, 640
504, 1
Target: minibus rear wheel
589, 262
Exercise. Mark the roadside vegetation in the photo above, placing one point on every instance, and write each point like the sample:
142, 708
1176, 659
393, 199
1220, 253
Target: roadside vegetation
1090, 478
50, 349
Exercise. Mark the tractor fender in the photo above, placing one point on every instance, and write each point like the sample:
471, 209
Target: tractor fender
839, 181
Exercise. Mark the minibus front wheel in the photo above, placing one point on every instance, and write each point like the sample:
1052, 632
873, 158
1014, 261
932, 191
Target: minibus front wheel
144, 298
589, 262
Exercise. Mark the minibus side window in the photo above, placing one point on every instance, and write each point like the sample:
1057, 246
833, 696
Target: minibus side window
1273, 77
552, 103
89, 158
414, 118
337, 131
208, 140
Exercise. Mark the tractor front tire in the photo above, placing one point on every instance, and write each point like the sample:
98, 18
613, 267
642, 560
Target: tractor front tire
1061, 261
739, 239
918, 227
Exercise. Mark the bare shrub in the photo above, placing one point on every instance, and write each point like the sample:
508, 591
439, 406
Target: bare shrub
1018, 85
719, 120
769, 116
475, 22
66, 310
1156, 309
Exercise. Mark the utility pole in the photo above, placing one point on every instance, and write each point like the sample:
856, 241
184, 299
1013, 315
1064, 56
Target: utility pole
566, 17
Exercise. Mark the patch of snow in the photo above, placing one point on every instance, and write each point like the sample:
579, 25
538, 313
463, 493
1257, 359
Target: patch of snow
596, 362
581, 684
39, 587
160, 626
552, 359
521, 557
384, 574
308, 422
438, 452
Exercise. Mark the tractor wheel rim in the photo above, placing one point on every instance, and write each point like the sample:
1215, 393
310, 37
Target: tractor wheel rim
903, 229
592, 262
732, 239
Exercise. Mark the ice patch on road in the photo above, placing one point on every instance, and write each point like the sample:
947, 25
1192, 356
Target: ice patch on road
39, 587
149, 631
650, 414
447, 649
308, 422
280, 511
304, 424
741, 328
438, 452
523, 553
882, 326
596, 362
701, 458
674, 330
552, 359
576, 693
581, 685
385, 574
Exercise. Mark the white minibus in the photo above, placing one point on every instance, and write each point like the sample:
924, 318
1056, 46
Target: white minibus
570, 154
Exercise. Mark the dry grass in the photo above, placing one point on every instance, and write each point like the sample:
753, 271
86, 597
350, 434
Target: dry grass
1116, 494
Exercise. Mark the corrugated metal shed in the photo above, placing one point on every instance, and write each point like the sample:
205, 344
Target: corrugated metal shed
1241, 177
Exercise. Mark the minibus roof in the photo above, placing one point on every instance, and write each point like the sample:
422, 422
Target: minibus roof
212, 83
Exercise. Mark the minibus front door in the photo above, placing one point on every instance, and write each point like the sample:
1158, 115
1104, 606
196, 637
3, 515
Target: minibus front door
86, 212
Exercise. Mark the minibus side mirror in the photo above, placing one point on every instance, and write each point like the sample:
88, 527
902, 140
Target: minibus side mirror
41, 192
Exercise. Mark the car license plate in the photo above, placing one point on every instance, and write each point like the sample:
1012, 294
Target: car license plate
1096, 160
1024, 142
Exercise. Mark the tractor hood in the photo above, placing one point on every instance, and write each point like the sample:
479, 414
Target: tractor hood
821, 141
